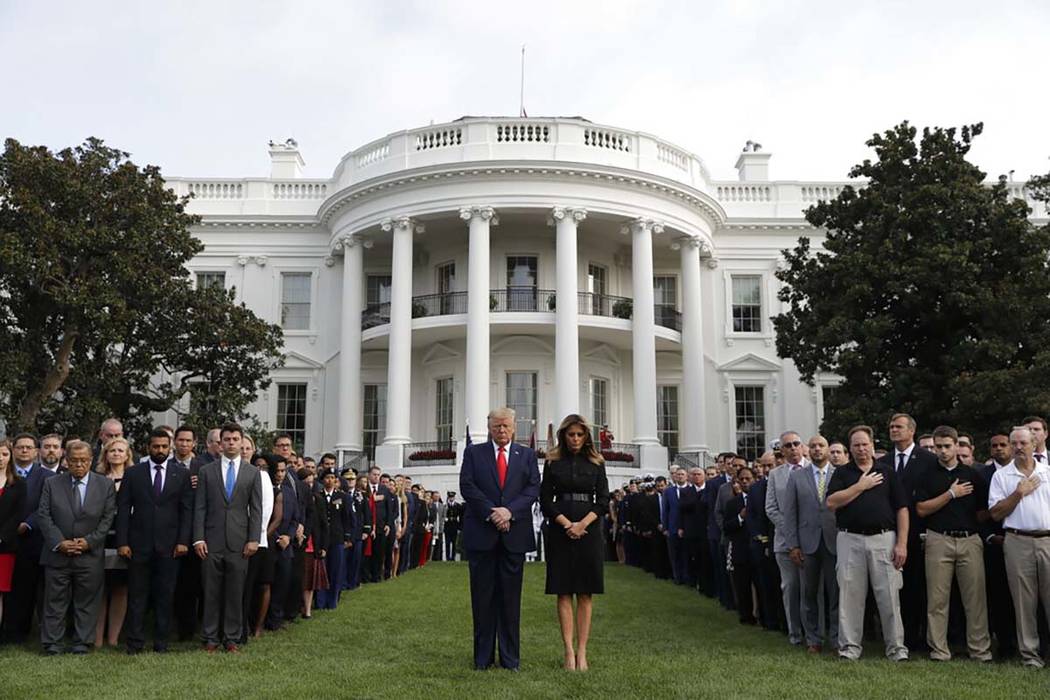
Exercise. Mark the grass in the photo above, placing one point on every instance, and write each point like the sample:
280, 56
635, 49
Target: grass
411, 638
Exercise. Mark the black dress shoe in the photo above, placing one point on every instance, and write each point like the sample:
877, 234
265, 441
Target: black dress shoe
53, 651
79, 649
482, 668
160, 648
133, 651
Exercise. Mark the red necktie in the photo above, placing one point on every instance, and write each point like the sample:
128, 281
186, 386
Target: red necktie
501, 466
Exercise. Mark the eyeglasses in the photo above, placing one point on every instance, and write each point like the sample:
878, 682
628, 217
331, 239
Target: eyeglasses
796, 443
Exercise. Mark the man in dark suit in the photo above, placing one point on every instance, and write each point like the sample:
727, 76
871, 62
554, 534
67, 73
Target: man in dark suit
676, 549
188, 579
227, 520
719, 578
282, 447
453, 522
499, 481
1000, 604
21, 602
409, 543
763, 560
338, 517
692, 519
75, 514
910, 462
809, 533
154, 519
738, 535
383, 506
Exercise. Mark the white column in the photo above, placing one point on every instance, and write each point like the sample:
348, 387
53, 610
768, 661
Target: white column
643, 328
349, 436
399, 355
479, 219
566, 315
691, 400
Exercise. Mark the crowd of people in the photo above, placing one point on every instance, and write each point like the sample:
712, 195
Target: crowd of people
919, 544
221, 545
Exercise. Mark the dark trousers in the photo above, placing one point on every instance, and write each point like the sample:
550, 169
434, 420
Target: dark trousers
409, 546
416, 548
451, 534
79, 584
1000, 604
19, 605
353, 565
727, 591
678, 553
222, 578
743, 579
293, 599
252, 594
632, 549
767, 583
151, 585
282, 579
698, 565
913, 596
376, 560
188, 596
495, 601
335, 562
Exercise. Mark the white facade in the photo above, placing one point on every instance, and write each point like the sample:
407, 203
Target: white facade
447, 267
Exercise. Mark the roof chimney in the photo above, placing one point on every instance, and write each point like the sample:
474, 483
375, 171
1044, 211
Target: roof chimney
752, 164
285, 161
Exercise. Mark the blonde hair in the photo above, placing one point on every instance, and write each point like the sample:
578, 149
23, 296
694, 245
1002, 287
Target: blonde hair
503, 412
103, 461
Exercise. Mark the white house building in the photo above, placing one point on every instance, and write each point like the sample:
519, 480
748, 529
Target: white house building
550, 265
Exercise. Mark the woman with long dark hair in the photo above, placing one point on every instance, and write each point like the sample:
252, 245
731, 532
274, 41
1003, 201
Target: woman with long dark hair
12, 500
574, 495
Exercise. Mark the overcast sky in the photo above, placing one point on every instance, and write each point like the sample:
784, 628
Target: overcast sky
199, 87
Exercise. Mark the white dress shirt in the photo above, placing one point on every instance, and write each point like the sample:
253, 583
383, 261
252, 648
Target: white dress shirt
267, 504
1032, 511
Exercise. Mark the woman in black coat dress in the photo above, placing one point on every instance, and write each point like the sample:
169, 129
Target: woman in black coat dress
574, 495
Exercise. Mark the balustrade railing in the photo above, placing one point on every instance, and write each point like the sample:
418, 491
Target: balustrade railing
521, 299
421, 454
439, 304
375, 315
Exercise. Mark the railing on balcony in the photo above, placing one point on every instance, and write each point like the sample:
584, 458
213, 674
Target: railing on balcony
622, 454
521, 299
422, 454
439, 304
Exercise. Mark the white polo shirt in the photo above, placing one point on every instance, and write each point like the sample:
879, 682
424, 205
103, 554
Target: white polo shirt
1033, 511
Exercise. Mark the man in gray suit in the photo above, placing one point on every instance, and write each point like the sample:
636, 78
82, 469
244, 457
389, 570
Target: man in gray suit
75, 513
776, 493
227, 520
809, 534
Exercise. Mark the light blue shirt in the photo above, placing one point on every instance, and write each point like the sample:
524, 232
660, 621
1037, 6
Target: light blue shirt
81, 488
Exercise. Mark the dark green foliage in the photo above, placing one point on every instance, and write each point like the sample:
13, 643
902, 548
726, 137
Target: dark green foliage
931, 295
95, 298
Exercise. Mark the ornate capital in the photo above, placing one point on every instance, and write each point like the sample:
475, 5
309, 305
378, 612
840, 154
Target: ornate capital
559, 213
486, 213
350, 240
402, 222
712, 263
261, 260
329, 261
242, 260
642, 225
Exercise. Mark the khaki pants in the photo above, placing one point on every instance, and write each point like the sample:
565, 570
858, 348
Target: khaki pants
863, 559
1028, 573
961, 558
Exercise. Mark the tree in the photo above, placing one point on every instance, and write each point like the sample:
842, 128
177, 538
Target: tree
96, 301
930, 295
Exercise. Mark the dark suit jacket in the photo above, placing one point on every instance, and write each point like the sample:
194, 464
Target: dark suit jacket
479, 486
362, 523
736, 532
338, 515
149, 525
226, 526
12, 503
714, 525
917, 464
58, 520
31, 541
692, 512
669, 509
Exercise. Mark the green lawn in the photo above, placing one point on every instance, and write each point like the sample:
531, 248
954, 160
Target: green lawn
410, 638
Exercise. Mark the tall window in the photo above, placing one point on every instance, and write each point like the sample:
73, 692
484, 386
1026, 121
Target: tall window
521, 283
667, 416
521, 396
291, 413
443, 419
747, 303
750, 421
210, 279
374, 417
446, 284
597, 287
599, 405
827, 397
378, 291
295, 301
665, 290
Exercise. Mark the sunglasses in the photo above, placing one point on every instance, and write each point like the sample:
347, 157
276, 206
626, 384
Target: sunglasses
796, 443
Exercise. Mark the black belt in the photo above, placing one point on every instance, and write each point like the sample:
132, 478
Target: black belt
866, 533
954, 533
1028, 533
585, 497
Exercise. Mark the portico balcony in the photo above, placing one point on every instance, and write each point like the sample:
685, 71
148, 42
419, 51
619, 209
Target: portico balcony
521, 299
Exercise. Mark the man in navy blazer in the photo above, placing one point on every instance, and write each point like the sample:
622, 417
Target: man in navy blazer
669, 519
154, 519
499, 481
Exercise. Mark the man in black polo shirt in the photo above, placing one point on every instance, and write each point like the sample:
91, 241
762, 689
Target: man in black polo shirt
949, 496
871, 511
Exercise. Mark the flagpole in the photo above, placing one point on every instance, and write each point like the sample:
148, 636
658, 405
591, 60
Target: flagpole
521, 110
